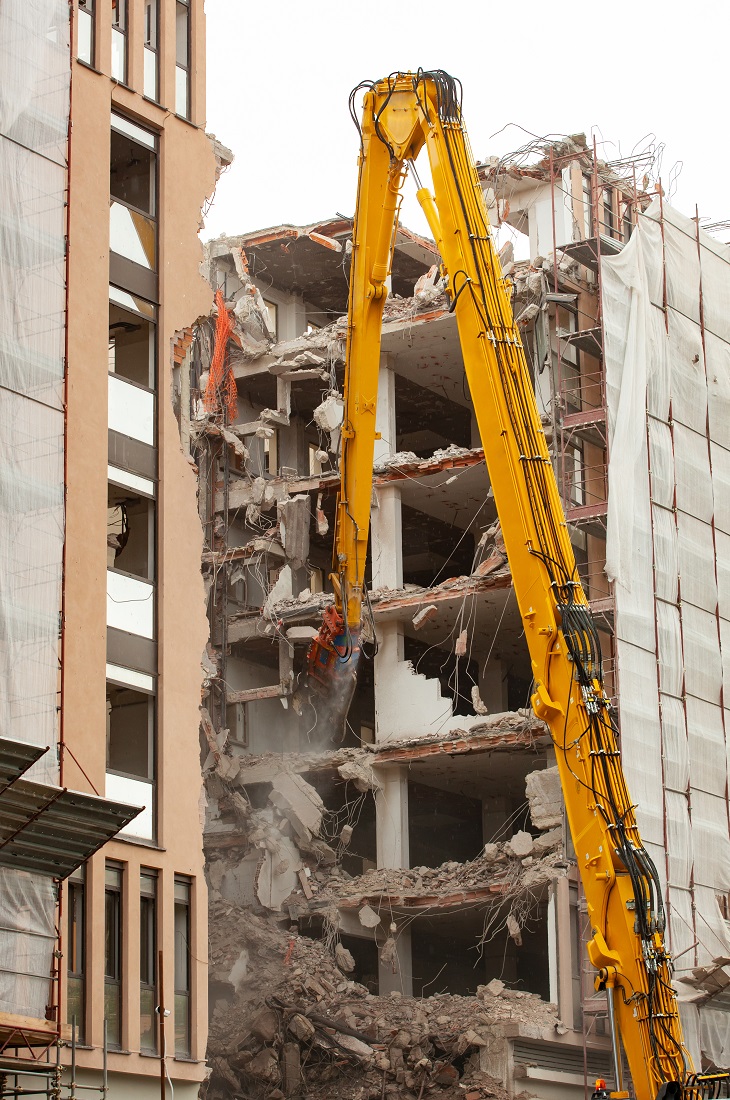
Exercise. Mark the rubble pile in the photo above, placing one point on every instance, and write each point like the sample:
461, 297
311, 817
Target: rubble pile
287, 1021
522, 860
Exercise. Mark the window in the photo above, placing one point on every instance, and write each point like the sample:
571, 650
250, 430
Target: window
148, 961
119, 40
182, 966
315, 462
133, 194
240, 725
609, 225
132, 345
76, 955
588, 205
151, 33
272, 311
113, 954
85, 25
182, 57
130, 533
130, 717
271, 453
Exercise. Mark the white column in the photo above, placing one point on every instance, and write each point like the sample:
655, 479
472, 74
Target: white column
391, 817
387, 538
390, 654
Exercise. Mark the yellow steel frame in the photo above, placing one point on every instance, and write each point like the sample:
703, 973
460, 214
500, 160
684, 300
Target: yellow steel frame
401, 115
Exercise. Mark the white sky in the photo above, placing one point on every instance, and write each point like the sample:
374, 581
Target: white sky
280, 73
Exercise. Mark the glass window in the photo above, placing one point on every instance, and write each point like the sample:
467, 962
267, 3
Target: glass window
85, 25
182, 966
151, 30
182, 57
119, 40
608, 218
148, 961
588, 205
132, 173
76, 955
131, 346
113, 954
130, 718
132, 187
130, 533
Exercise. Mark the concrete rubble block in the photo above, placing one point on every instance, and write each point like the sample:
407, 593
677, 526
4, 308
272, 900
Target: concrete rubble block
424, 615
344, 959
265, 1025
360, 773
545, 797
346, 835
328, 415
294, 521
301, 1028
301, 633
546, 841
521, 844
495, 988
355, 1046
265, 1064
461, 643
292, 1066
299, 803
368, 917
514, 929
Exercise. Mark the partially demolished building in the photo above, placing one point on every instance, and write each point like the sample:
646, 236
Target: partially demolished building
400, 911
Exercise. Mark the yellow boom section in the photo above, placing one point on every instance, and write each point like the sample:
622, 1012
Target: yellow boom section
401, 115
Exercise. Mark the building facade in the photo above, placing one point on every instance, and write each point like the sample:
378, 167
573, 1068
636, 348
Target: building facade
107, 171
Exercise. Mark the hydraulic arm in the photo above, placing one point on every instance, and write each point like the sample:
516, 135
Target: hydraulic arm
401, 115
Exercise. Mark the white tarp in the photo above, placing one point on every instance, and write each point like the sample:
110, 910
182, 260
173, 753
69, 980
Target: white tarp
34, 109
668, 551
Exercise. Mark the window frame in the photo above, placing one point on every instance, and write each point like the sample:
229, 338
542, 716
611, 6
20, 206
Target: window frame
76, 950
121, 28
183, 884
86, 8
152, 6
148, 891
187, 67
114, 890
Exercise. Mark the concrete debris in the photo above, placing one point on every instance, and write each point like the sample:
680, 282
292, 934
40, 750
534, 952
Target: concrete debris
461, 643
520, 844
424, 615
491, 551
545, 796
477, 702
344, 959
360, 773
497, 870
298, 801
368, 917
294, 520
328, 418
282, 589
298, 1024
346, 835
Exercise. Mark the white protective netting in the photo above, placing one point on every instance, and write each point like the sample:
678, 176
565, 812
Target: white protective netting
668, 551
34, 107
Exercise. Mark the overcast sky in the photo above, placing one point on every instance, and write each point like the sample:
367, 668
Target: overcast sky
280, 73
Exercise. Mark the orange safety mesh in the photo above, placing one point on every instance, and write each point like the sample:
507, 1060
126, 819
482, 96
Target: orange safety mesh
220, 390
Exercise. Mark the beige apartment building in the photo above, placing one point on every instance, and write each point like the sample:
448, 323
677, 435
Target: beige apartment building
106, 169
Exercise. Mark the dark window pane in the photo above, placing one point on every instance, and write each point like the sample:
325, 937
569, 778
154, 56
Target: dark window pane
132, 172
